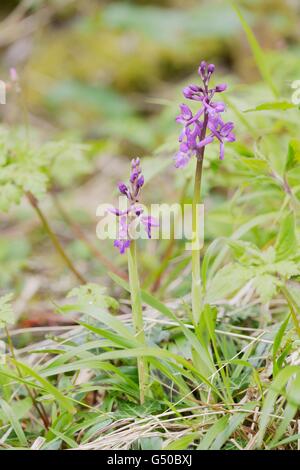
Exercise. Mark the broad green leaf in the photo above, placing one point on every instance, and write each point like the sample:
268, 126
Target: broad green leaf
227, 281
265, 285
293, 155
286, 243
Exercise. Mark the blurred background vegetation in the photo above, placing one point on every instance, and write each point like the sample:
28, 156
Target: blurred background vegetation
109, 74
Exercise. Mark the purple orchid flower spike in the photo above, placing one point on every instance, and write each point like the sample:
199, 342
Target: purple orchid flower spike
193, 136
134, 213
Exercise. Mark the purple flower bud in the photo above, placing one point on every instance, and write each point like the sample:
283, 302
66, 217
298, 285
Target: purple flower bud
210, 68
202, 69
140, 181
123, 188
221, 87
135, 163
187, 92
134, 176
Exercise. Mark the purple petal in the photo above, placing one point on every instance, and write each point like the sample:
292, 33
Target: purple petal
122, 245
181, 159
221, 87
208, 140
123, 188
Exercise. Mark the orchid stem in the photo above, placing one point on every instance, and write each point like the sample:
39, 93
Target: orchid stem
137, 316
196, 264
53, 238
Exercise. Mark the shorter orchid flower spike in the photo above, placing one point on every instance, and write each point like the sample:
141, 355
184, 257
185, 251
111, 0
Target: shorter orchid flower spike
134, 213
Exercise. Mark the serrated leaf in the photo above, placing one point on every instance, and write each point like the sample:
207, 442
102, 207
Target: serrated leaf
227, 281
287, 269
10, 194
92, 294
265, 285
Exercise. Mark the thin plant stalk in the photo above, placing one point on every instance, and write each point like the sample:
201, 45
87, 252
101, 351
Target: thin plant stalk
137, 316
196, 263
82, 236
53, 238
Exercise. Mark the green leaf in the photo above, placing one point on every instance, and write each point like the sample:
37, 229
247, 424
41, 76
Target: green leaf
265, 286
64, 401
272, 105
93, 294
182, 443
234, 422
293, 155
279, 383
11, 417
6, 311
255, 164
9, 195
227, 281
259, 55
286, 269
286, 243
277, 342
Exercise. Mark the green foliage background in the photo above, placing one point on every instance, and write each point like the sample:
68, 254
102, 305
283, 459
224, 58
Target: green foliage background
101, 83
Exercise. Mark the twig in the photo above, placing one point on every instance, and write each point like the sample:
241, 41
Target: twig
56, 243
82, 236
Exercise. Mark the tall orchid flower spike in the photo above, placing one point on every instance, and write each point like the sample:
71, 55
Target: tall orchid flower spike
199, 130
194, 136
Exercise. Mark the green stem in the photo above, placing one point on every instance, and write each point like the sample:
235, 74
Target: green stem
53, 238
137, 316
196, 266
